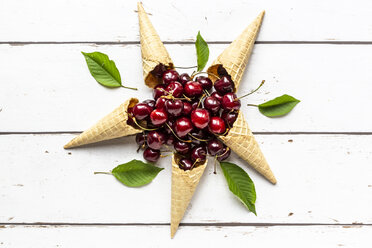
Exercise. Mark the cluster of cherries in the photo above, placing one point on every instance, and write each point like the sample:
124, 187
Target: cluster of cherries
185, 114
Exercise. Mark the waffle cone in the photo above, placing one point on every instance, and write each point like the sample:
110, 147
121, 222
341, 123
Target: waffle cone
235, 57
112, 126
183, 187
241, 140
152, 49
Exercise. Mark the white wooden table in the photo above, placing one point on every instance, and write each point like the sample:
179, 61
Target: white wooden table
318, 51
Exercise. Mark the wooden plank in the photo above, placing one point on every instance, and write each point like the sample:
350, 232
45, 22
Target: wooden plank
194, 236
321, 179
114, 20
49, 88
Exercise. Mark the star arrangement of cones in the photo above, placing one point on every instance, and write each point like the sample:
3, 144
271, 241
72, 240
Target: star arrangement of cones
133, 118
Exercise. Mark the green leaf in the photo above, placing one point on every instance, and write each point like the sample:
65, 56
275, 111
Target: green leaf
103, 69
136, 173
279, 106
202, 51
240, 184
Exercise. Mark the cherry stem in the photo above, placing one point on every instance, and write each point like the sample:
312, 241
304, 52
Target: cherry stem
207, 93
201, 99
131, 88
186, 67
196, 161
215, 165
187, 141
143, 128
100, 172
164, 156
188, 99
262, 83
226, 131
227, 149
205, 72
204, 140
252, 105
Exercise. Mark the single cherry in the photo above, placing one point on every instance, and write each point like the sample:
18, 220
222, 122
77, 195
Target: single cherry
159, 70
214, 147
183, 126
159, 91
155, 139
193, 89
229, 117
184, 78
160, 103
140, 139
224, 85
230, 102
151, 154
205, 82
185, 164
182, 147
150, 103
187, 108
225, 153
217, 125
141, 111
169, 76
158, 117
211, 103
200, 118
174, 107
199, 154
217, 96
175, 89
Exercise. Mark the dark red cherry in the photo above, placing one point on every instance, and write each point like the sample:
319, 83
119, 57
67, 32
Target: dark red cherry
217, 96
211, 103
159, 70
150, 103
214, 147
141, 111
159, 91
155, 139
151, 154
158, 117
184, 78
175, 89
185, 164
224, 85
194, 105
200, 118
187, 108
174, 107
205, 82
170, 123
160, 103
183, 126
182, 147
230, 102
225, 153
199, 154
193, 89
222, 71
171, 140
229, 117
140, 139
169, 76
217, 125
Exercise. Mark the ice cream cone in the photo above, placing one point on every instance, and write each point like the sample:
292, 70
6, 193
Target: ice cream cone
183, 187
241, 140
235, 57
112, 126
152, 49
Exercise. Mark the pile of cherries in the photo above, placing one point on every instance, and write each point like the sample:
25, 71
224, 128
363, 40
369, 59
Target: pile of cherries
186, 115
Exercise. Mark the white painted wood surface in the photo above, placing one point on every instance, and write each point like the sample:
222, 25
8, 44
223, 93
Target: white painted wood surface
317, 51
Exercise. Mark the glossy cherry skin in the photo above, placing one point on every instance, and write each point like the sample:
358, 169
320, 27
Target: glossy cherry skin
183, 126
214, 147
159, 70
155, 139
140, 139
230, 102
141, 111
224, 85
217, 96
217, 125
200, 118
199, 154
187, 108
160, 103
175, 89
169, 76
184, 78
229, 117
174, 107
182, 147
185, 164
151, 154
193, 89
150, 103
205, 82
158, 117
159, 91
194, 105
211, 103
130, 115
225, 153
